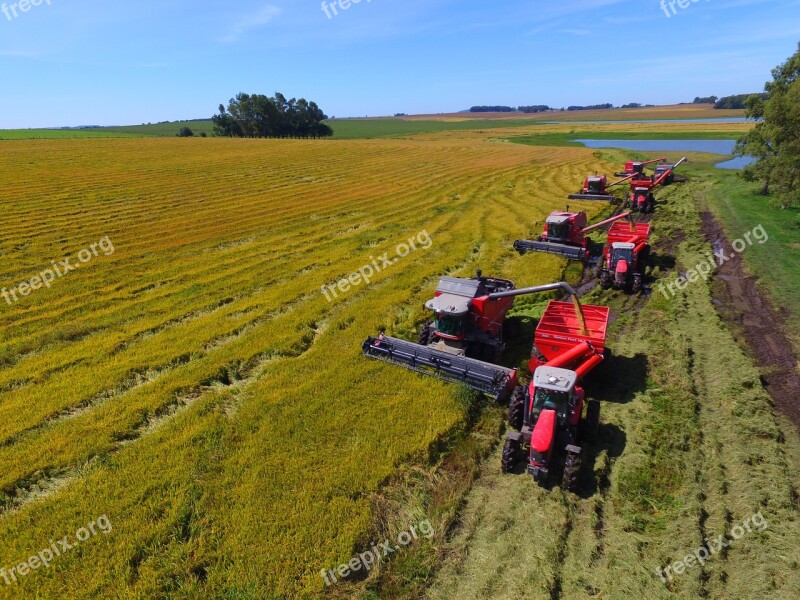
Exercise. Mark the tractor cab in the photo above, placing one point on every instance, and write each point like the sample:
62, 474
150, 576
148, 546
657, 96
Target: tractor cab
621, 253
553, 389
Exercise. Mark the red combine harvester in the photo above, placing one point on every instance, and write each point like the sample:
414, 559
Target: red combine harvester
625, 257
551, 416
633, 167
467, 326
565, 234
595, 187
642, 198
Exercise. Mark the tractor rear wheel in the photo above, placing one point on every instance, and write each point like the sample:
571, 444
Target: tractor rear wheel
511, 452
572, 468
516, 408
427, 334
591, 424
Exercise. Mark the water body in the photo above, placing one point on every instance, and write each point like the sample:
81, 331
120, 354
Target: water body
709, 146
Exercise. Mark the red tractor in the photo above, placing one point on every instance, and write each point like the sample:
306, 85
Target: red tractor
551, 417
565, 234
467, 327
642, 198
625, 257
595, 187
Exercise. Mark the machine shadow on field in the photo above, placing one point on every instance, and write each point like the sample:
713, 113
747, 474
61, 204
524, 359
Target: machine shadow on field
618, 378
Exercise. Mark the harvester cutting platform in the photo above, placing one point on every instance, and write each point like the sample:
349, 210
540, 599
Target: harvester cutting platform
565, 234
551, 416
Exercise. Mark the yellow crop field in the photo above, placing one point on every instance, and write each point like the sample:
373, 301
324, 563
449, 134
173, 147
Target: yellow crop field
191, 382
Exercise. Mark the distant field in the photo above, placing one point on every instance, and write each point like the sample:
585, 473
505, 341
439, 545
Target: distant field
566, 138
368, 128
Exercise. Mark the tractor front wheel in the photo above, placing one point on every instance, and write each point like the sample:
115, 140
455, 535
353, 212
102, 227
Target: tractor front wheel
637, 283
511, 452
605, 279
572, 469
516, 408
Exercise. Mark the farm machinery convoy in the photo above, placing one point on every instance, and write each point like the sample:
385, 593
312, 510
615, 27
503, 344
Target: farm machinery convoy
468, 322
463, 342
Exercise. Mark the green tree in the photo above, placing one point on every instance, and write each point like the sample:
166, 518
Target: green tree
185, 132
775, 139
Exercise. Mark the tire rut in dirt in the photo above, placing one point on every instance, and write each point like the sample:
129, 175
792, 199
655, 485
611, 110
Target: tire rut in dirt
739, 302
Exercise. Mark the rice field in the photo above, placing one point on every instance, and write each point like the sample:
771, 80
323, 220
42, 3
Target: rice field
195, 386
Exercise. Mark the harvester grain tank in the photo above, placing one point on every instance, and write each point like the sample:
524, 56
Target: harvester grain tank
565, 234
552, 417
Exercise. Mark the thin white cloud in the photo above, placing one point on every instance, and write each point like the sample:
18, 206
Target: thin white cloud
254, 21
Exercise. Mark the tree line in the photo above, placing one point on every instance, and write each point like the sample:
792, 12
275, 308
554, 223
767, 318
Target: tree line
774, 141
727, 102
257, 116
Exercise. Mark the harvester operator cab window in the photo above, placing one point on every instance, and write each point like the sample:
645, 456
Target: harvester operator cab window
449, 324
545, 399
558, 230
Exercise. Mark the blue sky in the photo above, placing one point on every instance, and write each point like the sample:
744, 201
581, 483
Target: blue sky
78, 62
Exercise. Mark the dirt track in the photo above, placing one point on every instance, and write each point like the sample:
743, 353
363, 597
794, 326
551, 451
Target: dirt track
739, 302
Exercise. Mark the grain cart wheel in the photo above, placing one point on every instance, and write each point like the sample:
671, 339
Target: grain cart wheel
572, 468
511, 452
516, 408
591, 424
427, 334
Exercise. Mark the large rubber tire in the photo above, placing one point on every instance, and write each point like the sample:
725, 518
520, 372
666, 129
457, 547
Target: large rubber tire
427, 334
591, 424
572, 468
637, 283
511, 454
605, 279
516, 408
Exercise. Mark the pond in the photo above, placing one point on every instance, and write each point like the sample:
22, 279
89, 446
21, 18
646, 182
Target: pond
709, 146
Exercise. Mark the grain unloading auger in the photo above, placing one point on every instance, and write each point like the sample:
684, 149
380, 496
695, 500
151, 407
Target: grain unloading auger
468, 325
595, 187
565, 234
